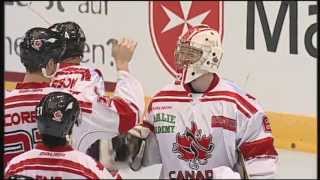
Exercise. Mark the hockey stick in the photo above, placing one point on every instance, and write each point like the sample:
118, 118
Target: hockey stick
243, 170
39, 15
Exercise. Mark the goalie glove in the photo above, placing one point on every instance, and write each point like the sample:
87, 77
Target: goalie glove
130, 147
120, 148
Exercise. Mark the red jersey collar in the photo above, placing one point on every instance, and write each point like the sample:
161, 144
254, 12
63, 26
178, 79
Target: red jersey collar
212, 85
64, 148
63, 65
31, 85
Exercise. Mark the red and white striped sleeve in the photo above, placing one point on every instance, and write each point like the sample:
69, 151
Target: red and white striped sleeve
110, 116
257, 145
127, 102
130, 90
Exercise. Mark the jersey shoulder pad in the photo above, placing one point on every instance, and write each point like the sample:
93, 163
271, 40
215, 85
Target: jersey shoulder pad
230, 85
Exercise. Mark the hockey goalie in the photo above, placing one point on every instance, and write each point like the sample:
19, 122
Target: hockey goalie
202, 126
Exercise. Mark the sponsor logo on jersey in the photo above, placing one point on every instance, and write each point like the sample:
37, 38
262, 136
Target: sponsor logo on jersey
168, 20
159, 108
48, 177
193, 147
164, 123
56, 154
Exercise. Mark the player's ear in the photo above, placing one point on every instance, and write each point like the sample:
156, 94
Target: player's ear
51, 67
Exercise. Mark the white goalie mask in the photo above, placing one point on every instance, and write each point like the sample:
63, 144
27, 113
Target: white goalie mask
198, 52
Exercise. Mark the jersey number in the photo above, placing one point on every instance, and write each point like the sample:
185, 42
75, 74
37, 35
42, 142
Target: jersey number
18, 142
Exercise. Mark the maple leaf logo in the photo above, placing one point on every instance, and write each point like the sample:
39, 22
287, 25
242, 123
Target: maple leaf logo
57, 116
37, 44
193, 147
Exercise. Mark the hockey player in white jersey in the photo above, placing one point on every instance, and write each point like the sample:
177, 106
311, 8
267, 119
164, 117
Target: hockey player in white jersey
54, 158
205, 127
120, 112
39, 52
70, 73
111, 115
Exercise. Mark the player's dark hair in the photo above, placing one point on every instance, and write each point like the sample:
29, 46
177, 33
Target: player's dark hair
53, 141
32, 68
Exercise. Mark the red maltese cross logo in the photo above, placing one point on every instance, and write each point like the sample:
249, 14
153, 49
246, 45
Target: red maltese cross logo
168, 20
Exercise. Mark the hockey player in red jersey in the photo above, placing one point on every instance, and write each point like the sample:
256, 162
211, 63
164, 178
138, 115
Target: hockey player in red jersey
40, 50
120, 112
54, 158
203, 126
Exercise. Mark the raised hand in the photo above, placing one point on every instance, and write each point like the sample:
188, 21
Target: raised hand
122, 52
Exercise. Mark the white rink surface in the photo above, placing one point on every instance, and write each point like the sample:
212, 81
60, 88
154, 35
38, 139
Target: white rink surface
292, 165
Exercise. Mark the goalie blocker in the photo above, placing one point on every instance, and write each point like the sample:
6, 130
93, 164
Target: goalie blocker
129, 147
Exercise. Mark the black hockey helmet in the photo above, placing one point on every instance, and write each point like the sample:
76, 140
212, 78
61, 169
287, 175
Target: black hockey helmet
74, 36
39, 45
57, 112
